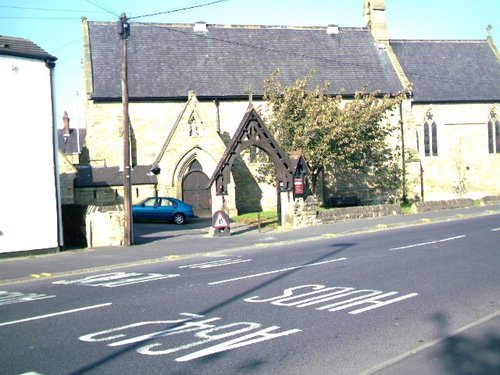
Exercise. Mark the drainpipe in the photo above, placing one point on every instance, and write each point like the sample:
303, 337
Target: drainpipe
55, 147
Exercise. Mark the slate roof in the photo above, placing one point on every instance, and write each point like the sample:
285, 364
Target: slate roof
169, 60
23, 48
88, 176
70, 145
450, 70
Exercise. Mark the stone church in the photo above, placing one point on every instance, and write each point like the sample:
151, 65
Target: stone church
191, 84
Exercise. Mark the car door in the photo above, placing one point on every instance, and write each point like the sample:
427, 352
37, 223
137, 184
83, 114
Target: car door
166, 208
147, 210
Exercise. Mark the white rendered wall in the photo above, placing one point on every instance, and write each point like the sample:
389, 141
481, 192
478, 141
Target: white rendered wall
28, 199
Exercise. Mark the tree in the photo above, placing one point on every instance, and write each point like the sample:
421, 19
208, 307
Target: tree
334, 134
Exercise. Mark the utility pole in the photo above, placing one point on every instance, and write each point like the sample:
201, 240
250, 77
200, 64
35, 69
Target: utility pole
124, 32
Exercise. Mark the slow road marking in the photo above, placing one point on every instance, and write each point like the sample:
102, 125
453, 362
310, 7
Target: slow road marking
427, 243
275, 271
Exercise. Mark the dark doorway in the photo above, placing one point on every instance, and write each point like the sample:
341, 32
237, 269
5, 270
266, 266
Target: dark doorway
195, 190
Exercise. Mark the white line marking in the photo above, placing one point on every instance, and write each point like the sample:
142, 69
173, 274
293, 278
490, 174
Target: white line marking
55, 314
275, 271
495, 230
427, 243
216, 263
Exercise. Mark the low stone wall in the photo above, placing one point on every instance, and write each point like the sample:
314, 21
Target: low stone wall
441, 205
490, 199
105, 225
359, 212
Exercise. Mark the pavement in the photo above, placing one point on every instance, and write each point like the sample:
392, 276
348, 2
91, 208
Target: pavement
155, 243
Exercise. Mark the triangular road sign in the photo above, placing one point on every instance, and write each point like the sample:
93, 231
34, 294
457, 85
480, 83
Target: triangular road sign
221, 220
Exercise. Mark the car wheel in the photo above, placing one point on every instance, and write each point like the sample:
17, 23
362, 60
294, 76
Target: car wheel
179, 219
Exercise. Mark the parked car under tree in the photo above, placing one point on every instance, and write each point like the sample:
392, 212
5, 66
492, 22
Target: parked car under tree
162, 209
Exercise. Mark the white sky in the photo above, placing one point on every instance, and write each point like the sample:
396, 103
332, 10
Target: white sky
55, 24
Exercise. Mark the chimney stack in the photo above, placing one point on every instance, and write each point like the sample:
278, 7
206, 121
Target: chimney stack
374, 14
200, 27
66, 130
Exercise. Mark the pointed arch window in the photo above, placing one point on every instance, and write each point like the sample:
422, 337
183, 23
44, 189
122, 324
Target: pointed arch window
430, 135
493, 132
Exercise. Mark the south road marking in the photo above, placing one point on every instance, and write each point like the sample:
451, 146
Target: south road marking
116, 279
7, 298
427, 243
230, 336
216, 263
345, 298
55, 314
495, 230
275, 271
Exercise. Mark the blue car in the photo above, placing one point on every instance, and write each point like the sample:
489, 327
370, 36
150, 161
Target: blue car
163, 209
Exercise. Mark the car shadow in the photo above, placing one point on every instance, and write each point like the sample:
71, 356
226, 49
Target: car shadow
145, 232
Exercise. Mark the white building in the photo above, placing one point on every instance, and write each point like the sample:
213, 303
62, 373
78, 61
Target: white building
29, 191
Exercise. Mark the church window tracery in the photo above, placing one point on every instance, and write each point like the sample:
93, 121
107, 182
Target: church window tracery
430, 135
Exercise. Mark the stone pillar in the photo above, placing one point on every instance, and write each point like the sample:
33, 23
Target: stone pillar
104, 225
287, 213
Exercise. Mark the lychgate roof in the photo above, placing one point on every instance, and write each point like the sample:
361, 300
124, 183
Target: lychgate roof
169, 60
23, 48
450, 70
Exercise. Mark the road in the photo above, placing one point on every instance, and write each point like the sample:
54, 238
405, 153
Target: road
423, 299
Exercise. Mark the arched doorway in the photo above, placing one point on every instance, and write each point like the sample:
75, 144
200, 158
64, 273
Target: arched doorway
195, 190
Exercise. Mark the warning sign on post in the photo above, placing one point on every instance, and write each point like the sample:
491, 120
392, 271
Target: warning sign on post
220, 220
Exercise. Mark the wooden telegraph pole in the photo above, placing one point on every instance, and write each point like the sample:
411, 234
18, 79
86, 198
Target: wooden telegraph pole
124, 32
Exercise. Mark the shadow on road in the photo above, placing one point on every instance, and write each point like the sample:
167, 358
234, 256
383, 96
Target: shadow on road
466, 355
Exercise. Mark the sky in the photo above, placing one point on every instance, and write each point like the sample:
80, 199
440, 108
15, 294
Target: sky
55, 25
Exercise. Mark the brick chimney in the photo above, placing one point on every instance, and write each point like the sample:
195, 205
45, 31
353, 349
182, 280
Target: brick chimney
374, 14
66, 129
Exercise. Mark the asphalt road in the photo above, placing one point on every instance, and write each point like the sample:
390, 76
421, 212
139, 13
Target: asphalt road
422, 299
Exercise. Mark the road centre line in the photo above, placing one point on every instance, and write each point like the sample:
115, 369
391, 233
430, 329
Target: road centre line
275, 271
55, 314
427, 243
495, 230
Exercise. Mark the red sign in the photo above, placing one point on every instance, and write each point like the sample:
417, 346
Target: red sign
298, 186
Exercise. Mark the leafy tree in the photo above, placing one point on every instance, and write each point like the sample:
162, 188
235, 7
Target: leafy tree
335, 135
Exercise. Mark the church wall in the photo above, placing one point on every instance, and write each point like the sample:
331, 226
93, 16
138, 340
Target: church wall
463, 166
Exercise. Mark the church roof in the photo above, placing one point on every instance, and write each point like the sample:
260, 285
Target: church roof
23, 48
73, 142
450, 70
169, 60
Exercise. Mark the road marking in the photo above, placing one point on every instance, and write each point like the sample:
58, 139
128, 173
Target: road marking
495, 230
55, 314
216, 263
427, 243
7, 298
116, 279
39, 275
230, 336
275, 271
350, 298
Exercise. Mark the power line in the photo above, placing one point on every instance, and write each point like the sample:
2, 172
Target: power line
51, 9
180, 9
39, 18
94, 3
